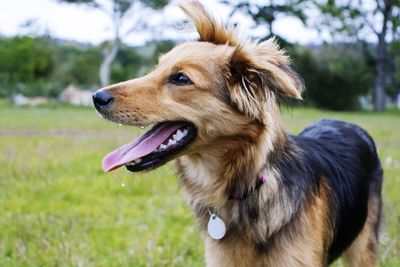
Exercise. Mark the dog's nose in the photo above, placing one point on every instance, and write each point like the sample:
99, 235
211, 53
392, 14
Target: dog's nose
102, 100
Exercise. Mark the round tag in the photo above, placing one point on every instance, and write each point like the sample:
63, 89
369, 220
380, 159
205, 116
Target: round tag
216, 227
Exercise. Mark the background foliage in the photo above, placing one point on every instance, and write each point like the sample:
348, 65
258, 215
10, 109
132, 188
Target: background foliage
334, 74
41, 66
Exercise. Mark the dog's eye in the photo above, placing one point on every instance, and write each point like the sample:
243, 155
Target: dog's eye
179, 79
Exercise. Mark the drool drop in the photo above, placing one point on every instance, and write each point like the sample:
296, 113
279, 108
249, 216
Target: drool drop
120, 181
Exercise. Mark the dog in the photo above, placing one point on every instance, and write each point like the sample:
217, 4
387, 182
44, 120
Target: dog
262, 197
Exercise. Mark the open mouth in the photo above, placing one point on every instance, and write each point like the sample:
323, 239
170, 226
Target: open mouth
153, 149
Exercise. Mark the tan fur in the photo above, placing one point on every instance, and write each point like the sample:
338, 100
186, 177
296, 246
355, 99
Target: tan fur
256, 68
364, 250
306, 248
209, 30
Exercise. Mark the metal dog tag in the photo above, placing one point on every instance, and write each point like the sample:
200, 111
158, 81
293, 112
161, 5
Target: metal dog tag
216, 227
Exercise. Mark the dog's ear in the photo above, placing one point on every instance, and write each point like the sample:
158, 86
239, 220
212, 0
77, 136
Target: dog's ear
208, 28
259, 71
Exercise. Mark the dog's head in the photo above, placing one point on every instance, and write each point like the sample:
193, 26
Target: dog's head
200, 95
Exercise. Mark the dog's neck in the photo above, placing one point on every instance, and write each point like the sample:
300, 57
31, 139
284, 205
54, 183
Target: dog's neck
243, 195
216, 173
209, 178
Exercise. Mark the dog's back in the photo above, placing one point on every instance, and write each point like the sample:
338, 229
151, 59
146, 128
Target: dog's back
346, 155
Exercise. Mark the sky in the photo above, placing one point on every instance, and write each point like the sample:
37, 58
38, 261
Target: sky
87, 25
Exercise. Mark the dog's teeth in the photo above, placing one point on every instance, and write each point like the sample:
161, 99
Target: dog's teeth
162, 146
185, 132
171, 142
133, 163
177, 137
181, 133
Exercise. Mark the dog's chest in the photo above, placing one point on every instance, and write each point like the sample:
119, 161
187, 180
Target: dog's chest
200, 173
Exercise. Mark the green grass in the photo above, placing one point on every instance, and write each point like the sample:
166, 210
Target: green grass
57, 207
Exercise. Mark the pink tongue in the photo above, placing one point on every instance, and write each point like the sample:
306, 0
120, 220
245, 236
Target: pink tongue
139, 147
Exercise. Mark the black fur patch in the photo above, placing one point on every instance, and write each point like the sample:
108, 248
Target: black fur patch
346, 155
332, 153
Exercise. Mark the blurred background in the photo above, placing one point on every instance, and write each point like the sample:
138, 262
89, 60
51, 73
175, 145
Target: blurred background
57, 208
347, 51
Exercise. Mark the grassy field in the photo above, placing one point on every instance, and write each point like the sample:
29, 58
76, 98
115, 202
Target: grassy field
57, 207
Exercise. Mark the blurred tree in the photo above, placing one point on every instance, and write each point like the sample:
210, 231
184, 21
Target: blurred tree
38, 66
119, 11
138, 61
79, 66
334, 75
24, 60
356, 19
395, 55
266, 13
